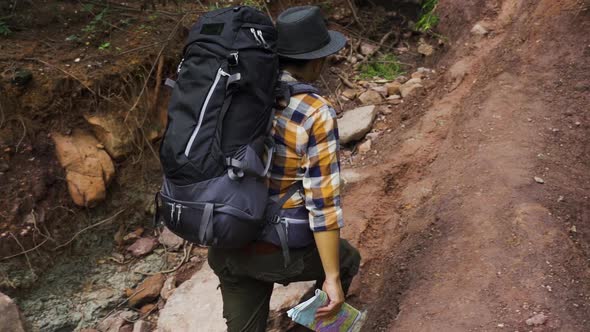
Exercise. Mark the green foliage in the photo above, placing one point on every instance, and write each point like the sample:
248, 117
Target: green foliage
254, 3
385, 67
4, 29
97, 21
104, 46
428, 19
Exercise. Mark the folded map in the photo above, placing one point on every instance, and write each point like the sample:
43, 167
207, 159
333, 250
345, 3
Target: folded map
348, 319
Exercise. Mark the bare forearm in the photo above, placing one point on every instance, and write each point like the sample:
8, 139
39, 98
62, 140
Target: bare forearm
328, 243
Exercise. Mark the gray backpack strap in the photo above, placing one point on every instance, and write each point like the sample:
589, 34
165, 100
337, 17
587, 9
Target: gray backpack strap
275, 219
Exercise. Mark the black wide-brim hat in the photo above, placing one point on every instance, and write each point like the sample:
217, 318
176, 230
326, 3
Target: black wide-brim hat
302, 34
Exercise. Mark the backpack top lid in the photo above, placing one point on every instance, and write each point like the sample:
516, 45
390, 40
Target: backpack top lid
222, 24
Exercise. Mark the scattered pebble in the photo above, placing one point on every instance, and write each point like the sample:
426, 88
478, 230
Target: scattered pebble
77, 60
560, 198
538, 319
539, 180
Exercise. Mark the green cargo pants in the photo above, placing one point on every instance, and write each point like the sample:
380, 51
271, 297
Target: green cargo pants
247, 280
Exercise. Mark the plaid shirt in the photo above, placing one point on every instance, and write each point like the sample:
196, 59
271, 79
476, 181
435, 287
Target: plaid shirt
306, 138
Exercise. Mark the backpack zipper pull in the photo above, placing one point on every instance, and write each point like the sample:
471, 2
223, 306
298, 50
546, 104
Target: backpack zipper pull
179, 66
172, 208
255, 36
262, 38
179, 212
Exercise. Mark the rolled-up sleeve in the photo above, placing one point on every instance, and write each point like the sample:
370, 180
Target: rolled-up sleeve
321, 181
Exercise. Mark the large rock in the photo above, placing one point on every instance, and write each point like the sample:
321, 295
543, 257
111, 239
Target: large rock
112, 132
355, 123
197, 306
10, 319
370, 97
89, 170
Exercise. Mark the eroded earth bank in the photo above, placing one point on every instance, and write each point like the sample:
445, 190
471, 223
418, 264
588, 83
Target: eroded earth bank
465, 169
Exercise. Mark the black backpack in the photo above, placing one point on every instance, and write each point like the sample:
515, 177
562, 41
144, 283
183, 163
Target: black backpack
216, 150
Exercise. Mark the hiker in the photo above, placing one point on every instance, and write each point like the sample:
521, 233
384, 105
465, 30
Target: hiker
305, 176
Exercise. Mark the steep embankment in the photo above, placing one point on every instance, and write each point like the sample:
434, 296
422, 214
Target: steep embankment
456, 231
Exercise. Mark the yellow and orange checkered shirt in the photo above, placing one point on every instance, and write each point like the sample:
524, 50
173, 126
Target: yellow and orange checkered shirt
306, 138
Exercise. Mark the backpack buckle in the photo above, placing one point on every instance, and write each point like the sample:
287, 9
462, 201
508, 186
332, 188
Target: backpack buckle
233, 58
276, 219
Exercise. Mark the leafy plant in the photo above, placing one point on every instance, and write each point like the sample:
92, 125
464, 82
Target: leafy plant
385, 67
104, 46
254, 3
4, 29
98, 19
428, 19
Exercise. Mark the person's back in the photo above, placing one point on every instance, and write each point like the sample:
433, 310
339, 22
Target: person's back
305, 175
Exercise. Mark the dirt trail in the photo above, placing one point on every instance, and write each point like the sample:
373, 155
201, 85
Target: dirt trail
455, 232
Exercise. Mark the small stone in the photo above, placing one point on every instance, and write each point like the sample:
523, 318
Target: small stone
382, 90
115, 321
578, 123
479, 30
142, 246
560, 199
424, 48
170, 240
350, 93
393, 88
418, 74
99, 146
168, 288
365, 146
141, 326
349, 176
539, 180
146, 309
367, 49
411, 89
536, 320
370, 97
413, 80
76, 60
573, 229
147, 291
501, 325
373, 136
126, 328
401, 79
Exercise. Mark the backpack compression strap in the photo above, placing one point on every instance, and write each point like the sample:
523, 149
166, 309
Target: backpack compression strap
274, 217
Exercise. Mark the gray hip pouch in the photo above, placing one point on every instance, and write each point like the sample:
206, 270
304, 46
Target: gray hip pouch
295, 222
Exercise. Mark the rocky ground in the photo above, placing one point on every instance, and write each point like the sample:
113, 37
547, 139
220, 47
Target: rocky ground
466, 184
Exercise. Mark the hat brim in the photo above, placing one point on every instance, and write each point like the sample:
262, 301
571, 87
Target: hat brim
337, 42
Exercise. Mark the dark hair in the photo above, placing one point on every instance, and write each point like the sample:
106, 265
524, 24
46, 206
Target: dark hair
288, 62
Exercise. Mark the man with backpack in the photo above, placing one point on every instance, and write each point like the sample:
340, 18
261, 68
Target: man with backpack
257, 184
305, 174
